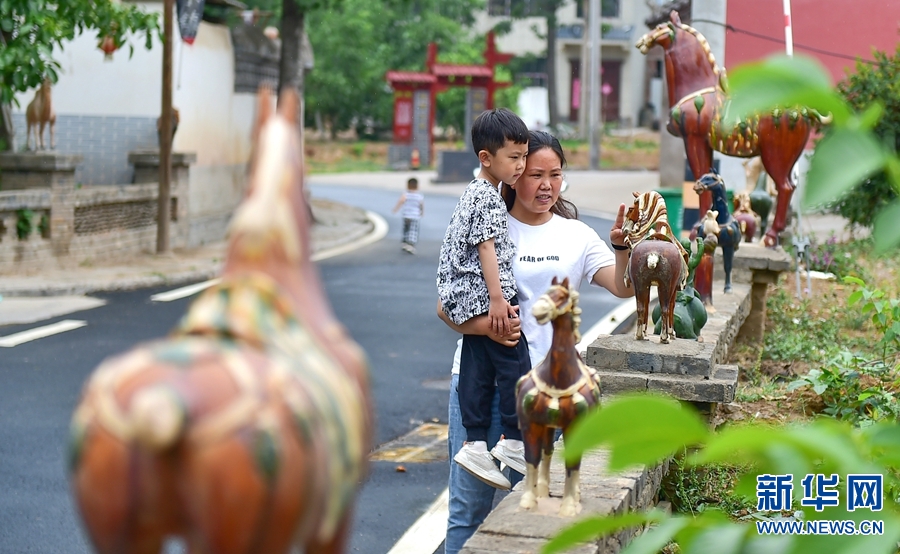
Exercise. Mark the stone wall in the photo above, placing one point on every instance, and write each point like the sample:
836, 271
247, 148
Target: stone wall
102, 141
73, 224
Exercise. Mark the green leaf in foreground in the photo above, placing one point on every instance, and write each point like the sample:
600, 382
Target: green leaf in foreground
843, 159
637, 429
592, 527
887, 229
783, 81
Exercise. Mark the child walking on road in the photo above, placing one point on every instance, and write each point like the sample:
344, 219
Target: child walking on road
475, 277
413, 208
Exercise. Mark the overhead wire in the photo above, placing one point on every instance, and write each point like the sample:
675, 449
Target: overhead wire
797, 45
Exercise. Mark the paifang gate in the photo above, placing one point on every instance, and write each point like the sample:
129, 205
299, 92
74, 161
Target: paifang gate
414, 100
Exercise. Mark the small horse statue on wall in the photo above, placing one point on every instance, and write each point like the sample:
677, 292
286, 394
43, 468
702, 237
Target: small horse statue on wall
762, 191
748, 219
729, 233
552, 395
698, 101
656, 258
39, 114
248, 429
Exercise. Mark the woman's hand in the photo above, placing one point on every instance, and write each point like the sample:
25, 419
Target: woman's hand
512, 338
616, 234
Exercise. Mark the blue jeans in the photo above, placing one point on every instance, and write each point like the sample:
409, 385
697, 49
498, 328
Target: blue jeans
470, 499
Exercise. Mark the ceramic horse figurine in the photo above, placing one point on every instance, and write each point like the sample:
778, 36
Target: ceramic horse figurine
247, 430
698, 101
762, 191
703, 273
39, 114
552, 395
748, 219
656, 258
730, 229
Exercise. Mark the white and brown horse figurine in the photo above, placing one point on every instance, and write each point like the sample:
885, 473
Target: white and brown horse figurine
552, 395
40, 114
656, 258
247, 430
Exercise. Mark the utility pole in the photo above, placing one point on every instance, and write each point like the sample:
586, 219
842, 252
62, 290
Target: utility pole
165, 134
593, 88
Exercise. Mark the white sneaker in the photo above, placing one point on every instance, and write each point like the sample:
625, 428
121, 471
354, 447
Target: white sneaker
482, 466
512, 457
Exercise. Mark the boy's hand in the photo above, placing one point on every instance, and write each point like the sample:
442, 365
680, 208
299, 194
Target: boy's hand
498, 313
511, 339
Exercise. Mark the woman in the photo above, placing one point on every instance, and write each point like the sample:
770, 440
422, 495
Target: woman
550, 242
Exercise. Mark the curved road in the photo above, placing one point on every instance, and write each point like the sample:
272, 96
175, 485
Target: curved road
385, 297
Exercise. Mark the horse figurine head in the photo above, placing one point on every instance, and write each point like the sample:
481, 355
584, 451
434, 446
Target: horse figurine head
559, 300
247, 429
646, 218
552, 395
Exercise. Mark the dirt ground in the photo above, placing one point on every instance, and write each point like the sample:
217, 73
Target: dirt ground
629, 151
772, 401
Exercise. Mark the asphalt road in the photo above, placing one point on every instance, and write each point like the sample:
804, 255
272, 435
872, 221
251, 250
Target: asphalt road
385, 297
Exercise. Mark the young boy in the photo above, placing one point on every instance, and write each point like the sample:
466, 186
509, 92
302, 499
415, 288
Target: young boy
475, 277
413, 204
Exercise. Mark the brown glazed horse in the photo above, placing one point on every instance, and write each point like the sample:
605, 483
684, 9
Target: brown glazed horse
552, 395
246, 430
656, 258
698, 101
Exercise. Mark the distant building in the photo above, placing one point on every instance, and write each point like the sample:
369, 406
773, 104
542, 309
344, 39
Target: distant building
624, 69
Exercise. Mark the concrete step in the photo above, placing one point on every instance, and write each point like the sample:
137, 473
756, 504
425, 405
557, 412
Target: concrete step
719, 387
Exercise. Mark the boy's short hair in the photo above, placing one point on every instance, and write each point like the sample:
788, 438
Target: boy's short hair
493, 128
412, 183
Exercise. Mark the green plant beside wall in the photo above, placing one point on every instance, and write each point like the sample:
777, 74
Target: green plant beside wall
24, 223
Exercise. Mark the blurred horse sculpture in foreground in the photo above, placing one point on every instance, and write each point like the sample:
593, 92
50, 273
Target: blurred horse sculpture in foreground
247, 430
552, 395
656, 258
698, 98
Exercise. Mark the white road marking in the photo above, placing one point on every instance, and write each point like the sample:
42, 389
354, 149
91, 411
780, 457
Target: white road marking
24, 311
428, 531
183, 292
609, 322
41, 332
378, 233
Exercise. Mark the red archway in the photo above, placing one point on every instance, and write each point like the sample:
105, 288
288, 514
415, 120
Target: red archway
415, 94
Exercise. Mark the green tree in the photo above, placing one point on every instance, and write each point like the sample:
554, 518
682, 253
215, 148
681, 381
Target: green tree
546, 9
871, 83
31, 30
347, 85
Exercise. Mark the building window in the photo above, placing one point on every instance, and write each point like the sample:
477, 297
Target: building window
518, 8
608, 8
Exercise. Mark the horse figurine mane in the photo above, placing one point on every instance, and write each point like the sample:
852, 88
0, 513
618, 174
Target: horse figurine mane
698, 103
550, 396
248, 428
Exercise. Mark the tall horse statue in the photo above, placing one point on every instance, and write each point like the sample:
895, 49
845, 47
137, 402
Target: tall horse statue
729, 232
40, 114
247, 430
656, 258
699, 104
552, 395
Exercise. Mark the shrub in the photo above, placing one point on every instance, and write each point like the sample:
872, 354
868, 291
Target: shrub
873, 83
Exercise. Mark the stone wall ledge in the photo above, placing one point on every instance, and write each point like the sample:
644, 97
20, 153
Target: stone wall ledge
509, 529
38, 161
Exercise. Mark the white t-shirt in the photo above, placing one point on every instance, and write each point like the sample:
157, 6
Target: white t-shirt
559, 248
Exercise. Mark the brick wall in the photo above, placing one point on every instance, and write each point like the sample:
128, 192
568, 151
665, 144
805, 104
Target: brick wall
103, 141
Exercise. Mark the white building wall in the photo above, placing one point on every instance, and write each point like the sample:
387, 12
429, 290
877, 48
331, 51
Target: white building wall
109, 98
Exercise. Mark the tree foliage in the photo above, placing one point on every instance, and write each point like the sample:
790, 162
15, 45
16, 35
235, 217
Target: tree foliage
30, 31
870, 84
348, 84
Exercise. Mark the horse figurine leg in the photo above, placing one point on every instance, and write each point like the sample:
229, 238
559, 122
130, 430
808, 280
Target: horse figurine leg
532, 437
571, 491
785, 138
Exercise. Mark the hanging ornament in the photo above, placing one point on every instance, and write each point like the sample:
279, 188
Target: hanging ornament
108, 45
190, 13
